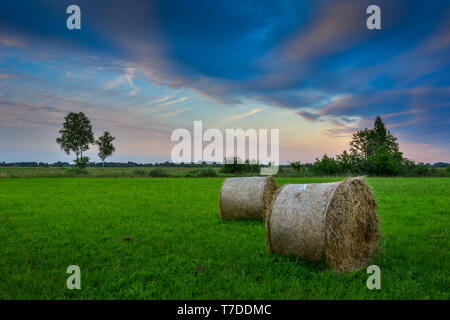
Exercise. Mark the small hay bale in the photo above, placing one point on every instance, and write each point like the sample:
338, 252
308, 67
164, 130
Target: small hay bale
246, 198
336, 220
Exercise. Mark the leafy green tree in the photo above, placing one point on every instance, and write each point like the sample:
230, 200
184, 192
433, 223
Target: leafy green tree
383, 137
296, 165
359, 146
366, 142
346, 161
105, 146
376, 150
81, 162
326, 166
75, 136
235, 165
385, 162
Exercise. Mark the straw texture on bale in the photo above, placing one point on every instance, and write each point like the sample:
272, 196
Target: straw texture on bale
246, 198
336, 220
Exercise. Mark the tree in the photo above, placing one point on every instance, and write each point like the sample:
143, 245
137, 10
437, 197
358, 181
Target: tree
296, 165
346, 161
235, 165
365, 142
386, 163
383, 137
75, 136
376, 150
326, 166
105, 146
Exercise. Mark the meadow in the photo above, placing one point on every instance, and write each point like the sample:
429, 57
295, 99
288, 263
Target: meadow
73, 172
177, 172
162, 238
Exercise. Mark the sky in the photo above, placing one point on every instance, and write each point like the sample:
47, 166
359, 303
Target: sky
140, 69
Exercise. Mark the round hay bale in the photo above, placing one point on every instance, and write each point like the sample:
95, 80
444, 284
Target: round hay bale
336, 220
246, 198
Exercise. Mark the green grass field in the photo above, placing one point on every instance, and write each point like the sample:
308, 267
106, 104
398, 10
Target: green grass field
162, 238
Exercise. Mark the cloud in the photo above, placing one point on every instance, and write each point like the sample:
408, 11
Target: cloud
165, 105
172, 114
228, 120
9, 105
333, 28
127, 77
6, 76
308, 115
399, 114
247, 114
163, 99
10, 41
173, 101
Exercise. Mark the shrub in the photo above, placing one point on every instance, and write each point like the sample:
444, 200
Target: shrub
139, 173
385, 163
202, 173
281, 170
81, 162
421, 170
76, 171
158, 173
326, 166
237, 167
296, 165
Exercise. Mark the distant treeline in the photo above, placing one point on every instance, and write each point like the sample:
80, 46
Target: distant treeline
166, 164
374, 152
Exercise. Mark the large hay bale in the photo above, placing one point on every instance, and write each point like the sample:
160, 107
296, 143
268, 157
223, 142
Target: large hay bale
336, 220
246, 198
